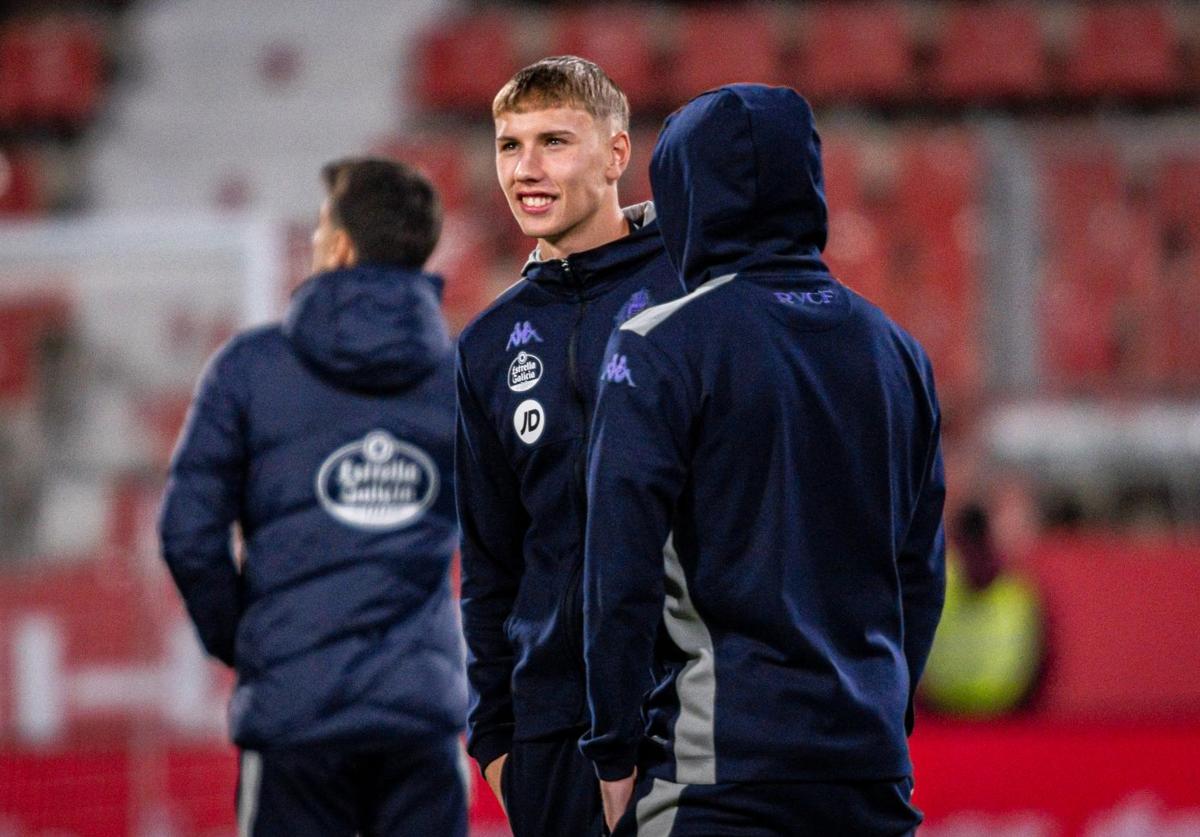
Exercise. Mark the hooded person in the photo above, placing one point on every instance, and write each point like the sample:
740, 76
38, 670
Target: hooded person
765, 494
328, 439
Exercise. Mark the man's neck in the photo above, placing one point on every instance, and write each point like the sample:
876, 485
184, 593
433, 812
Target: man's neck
596, 233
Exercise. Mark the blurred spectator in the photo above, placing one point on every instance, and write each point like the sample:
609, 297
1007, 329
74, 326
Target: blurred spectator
988, 654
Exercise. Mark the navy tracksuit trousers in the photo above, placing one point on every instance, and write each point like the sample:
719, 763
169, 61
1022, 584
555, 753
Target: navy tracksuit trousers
327, 793
551, 790
770, 809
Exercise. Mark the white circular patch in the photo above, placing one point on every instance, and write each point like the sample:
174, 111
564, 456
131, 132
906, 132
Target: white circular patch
529, 421
377, 483
524, 372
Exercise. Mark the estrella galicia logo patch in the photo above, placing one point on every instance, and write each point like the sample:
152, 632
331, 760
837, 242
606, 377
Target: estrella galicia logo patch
377, 483
617, 371
522, 334
529, 421
633, 306
524, 372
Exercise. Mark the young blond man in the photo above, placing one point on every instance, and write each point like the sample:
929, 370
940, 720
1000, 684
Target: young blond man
528, 372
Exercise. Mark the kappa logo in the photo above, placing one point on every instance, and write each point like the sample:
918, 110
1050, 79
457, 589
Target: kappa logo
522, 334
805, 297
377, 483
617, 371
529, 421
524, 372
633, 306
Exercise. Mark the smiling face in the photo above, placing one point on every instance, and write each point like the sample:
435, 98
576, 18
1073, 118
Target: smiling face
559, 167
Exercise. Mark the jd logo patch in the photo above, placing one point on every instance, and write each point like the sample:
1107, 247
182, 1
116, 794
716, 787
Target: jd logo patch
522, 334
617, 371
529, 421
524, 372
377, 483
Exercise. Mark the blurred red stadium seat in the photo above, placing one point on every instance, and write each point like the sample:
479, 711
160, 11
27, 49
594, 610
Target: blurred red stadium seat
1125, 48
852, 52
1084, 194
17, 60
1178, 194
462, 63
719, 45
1177, 216
78, 69
934, 286
462, 258
619, 40
25, 320
859, 231
51, 71
990, 52
21, 188
442, 158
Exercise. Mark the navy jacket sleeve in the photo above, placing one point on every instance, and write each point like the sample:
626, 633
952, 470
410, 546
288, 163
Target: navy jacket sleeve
922, 567
201, 503
636, 472
494, 522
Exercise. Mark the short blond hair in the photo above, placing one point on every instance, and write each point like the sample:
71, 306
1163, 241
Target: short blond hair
564, 81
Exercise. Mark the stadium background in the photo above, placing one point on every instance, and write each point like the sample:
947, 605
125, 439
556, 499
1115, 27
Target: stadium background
1016, 183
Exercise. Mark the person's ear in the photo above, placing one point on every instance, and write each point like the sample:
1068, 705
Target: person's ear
344, 252
619, 149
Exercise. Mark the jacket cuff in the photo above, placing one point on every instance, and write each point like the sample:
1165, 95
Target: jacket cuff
612, 769
485, 748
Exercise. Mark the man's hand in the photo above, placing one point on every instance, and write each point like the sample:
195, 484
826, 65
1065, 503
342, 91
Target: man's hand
616, 796
492, 774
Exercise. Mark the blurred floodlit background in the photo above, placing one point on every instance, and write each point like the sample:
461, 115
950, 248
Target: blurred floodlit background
1017, 183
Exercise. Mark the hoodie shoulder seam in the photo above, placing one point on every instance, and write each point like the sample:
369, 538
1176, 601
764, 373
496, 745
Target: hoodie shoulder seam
652, 317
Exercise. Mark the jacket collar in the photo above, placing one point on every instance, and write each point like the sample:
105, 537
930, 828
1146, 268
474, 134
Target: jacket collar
589, 269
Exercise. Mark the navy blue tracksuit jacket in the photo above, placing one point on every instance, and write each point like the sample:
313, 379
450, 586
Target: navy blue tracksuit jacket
329, 439
527, 380
765, 483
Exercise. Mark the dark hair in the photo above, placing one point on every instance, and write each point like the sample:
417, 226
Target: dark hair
564, 80
390, 211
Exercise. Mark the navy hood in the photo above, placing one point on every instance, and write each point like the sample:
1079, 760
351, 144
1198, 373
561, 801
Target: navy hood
370, 327
738, 185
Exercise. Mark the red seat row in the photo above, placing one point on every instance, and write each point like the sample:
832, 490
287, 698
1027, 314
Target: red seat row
869, 52
51, 71
904, 233
1121, 286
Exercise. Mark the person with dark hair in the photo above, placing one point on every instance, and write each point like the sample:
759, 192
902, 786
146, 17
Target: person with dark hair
528, 370
765, 491
328, 439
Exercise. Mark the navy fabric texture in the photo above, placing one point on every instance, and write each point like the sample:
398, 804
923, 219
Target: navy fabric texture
527, 381
329, 441
374, 793
549, 788
779, 435
772, 809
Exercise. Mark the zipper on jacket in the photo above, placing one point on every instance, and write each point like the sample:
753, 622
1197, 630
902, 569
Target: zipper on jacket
572, 621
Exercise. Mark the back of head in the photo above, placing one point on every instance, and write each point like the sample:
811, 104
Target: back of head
374, 322
564, 81
738, 183
390, 212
